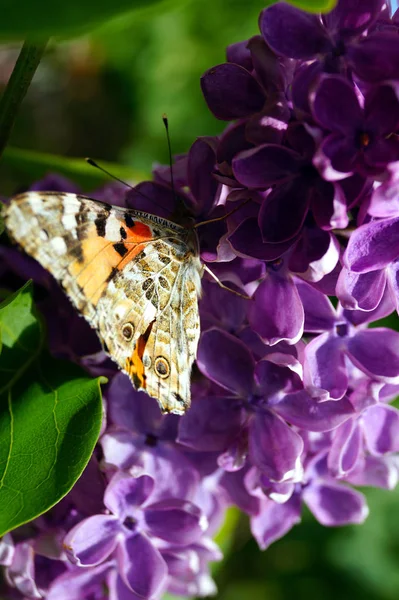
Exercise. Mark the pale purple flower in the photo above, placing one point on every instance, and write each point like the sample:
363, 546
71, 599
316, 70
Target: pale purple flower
129, 532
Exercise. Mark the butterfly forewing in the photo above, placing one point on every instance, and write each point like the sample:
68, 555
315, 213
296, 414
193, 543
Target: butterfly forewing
134, 276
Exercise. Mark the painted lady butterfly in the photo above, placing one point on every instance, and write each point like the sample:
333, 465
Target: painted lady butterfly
135, 277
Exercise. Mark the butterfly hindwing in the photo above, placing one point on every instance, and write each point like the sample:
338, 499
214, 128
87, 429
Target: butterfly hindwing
135, 277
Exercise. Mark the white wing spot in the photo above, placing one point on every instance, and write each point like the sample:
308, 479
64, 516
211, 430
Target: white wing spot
58, 245
69, 222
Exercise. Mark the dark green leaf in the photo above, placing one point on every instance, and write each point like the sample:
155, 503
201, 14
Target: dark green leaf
44, 18
21, 336
314, 5
50, 417
31, 166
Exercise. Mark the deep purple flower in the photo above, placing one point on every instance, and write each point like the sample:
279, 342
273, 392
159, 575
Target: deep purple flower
291, 395
250, 86
335, 41
297, 188
371, 260
362, 139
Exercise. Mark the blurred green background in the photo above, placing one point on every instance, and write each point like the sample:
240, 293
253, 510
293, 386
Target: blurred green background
103, 95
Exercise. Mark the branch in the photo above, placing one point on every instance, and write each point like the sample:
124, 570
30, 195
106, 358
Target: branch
17, 86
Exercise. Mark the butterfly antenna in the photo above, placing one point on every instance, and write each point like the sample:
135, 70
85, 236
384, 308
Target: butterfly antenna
223, 217
166, 123
93, 163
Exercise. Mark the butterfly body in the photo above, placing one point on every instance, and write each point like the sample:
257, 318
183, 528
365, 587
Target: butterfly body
135, 277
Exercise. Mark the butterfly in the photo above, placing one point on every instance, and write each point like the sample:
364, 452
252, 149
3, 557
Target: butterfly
134, 276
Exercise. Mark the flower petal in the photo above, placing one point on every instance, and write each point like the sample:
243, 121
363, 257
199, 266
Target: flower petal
345, 448
310, 414
352, 18
293, 32
385, 198
247, 241
6, 550
319, 312
79, 583
275, 520
375, 471
341, 151
325, 367
283, 212
225, 360
265, 165
381, 429
153, 197
124, 493
21, 572
92, 540
362, 291
376, 353
211, 424
239, 54
176, 521
132, 410
375, 57
172, 471
274, 447
382, 110
141, 566
333, 504
231, 92
201, 163
265, 314
336, 106
373, 246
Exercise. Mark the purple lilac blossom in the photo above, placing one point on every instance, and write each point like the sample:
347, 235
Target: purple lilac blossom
291, 393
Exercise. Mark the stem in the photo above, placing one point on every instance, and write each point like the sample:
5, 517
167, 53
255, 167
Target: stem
17, 86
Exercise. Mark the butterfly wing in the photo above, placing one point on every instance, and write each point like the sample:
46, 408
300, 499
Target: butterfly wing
135, 277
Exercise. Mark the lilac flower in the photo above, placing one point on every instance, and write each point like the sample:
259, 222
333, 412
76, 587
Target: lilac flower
384, 199
141, 440
371, 260
344, 343
375, 428
335, 42
298, 187
128, 531
361, 140
251, 85
331, 502
250, 419
291, 394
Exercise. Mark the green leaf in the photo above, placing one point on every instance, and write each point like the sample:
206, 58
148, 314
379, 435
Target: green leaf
31, 166
314, 6
45, 18
225, 536
21, 336
50, 417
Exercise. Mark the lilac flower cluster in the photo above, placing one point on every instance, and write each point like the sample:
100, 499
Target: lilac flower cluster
291, 392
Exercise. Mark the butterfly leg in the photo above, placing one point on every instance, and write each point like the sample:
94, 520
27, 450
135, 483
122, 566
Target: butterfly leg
224, 287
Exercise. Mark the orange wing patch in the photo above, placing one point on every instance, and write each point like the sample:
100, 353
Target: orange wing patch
101, 257
134, 364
